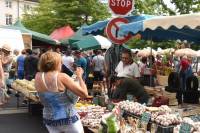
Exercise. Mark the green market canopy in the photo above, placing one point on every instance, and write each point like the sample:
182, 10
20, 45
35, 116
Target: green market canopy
92, 42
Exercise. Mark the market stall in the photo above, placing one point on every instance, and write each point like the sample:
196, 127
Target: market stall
131, 117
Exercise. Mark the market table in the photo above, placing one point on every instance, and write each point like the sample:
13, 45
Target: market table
160, 91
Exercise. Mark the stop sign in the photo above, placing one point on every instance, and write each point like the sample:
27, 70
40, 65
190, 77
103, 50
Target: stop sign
121, 7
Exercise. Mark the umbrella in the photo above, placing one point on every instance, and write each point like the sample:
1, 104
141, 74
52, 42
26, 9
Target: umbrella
186, 51
61, 33
93, 42
198, 53
183, 27
165, 51
98, 27
76, 37
146, 52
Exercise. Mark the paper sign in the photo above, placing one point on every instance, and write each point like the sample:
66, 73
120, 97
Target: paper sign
146, 117
129, 97
185, 128
96, 100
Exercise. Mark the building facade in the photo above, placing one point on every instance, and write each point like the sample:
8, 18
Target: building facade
11, 10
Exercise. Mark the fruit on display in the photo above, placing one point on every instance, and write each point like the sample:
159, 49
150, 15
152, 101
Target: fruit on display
91, 115
132, 107
195, 126
168, 119
161, 115
80, 105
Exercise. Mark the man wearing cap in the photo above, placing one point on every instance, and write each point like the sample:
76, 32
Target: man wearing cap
185, 71
6, 60
124, 86
6, 57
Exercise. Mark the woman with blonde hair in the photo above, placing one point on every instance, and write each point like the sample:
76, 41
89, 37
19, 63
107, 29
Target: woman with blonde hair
58, 94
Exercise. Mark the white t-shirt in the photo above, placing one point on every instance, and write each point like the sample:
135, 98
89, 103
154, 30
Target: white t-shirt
131, 70
142, 66
68, 61
98, 63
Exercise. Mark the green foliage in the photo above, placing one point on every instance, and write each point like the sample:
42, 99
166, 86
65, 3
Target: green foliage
51, 14
152, 7
159, 7
187, 6
138, 43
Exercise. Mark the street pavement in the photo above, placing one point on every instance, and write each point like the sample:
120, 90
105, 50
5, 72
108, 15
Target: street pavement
21, 123
18, 120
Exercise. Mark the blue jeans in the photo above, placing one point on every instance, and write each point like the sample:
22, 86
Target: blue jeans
20, 74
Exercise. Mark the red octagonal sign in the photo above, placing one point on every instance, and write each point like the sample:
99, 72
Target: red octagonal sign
121, 7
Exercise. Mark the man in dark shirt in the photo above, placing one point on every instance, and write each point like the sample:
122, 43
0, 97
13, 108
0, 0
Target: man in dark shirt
30, 64
125, 86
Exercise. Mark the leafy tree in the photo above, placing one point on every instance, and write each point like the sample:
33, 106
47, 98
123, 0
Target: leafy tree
187, 6
183, 6
41, 18
152, 7
51, 14
138, 43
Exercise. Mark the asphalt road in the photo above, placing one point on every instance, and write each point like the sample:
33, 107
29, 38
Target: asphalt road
21, 123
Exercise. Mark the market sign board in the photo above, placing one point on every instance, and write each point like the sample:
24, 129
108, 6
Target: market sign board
112, 30
121, 7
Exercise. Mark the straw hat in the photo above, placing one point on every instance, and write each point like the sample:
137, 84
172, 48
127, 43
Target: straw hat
7, 47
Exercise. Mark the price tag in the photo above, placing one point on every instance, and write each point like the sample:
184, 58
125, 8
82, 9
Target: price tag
146, 117
129, 97
185, 128
96, 100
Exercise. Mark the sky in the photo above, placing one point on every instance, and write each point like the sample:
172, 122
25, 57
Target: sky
169, 4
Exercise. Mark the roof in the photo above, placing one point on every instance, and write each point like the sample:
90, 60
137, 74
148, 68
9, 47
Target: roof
35, 35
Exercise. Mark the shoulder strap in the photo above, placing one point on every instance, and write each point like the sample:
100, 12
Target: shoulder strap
56, 80
43, 80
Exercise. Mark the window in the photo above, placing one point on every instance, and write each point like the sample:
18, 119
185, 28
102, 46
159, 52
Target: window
27, 7
8, 3
9, 19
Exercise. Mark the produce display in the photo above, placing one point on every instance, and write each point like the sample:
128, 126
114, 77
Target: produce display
91, 115
27, 88
161, 115
195, 126
168, 119
133, 107
25, 84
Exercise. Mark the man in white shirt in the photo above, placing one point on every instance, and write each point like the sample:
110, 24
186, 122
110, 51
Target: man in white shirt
68, 62
126, 67
98, 64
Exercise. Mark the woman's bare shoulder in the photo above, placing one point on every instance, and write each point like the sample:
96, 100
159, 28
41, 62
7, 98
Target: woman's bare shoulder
63, 76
